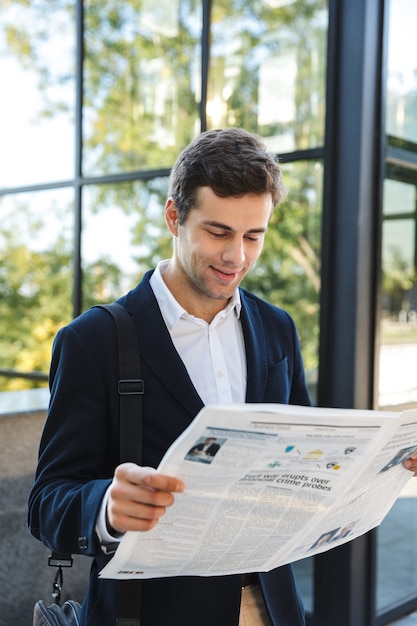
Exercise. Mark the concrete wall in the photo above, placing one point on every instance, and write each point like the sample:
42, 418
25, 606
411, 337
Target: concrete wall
24, 573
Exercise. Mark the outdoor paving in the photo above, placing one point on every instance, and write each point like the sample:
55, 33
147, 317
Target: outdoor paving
24, 574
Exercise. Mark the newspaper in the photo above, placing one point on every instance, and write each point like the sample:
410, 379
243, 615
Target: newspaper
269, 484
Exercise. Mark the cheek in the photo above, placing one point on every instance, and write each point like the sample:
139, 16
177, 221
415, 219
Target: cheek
253, 254
206, 249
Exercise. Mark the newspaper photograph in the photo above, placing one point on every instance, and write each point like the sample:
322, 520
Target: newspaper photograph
269, 484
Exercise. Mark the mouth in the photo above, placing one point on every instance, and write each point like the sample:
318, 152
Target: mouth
226, 276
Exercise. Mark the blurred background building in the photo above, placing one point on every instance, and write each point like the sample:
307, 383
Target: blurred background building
97, 99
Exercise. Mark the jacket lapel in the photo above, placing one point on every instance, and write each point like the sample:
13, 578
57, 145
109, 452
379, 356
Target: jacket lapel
157, 349
256, 352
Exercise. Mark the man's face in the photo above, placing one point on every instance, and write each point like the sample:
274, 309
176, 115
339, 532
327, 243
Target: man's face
216, 246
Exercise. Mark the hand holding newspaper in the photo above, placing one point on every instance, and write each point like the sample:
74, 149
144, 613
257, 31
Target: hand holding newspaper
268, 484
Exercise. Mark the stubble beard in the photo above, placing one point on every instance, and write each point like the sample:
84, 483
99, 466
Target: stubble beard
201, 285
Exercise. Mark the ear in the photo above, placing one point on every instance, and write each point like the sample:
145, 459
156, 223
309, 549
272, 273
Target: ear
171, 216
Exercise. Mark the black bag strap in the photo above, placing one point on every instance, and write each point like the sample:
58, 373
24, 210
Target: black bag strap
130, 388
130, 385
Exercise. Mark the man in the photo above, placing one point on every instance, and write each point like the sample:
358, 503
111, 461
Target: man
202, 340
208, 447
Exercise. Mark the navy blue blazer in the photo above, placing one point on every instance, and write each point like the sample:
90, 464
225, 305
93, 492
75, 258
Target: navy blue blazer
79, 449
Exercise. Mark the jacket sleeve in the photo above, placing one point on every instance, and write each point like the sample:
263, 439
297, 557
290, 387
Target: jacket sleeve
76, 462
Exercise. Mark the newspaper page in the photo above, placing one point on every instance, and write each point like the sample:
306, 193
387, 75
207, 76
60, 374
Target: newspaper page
268, 484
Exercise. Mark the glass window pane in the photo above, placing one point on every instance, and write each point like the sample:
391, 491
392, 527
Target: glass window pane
124, 234
401, 115
141, 83
398, 240
397, 380
399, 198
397, 552
267, 70
36, 240
37, 93
288, 271
397, 374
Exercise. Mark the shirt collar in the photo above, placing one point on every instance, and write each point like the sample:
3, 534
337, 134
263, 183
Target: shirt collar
171, 309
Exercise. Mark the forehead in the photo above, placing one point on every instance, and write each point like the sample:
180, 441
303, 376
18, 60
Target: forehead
249, 210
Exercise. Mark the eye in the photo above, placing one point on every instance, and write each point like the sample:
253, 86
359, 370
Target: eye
217, 234
253, 238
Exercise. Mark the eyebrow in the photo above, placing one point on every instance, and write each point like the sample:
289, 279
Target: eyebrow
230, 229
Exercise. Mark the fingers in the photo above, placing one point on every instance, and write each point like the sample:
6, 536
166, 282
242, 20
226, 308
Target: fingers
138, 497
149, 477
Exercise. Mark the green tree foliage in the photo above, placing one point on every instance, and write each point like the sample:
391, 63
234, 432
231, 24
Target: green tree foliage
397, 281
140, 75
35, 297
288, 273
249, 36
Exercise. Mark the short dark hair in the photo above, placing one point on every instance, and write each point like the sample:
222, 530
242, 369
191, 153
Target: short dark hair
232, 162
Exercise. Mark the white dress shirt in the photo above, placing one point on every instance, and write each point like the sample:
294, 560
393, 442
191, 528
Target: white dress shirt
214, 355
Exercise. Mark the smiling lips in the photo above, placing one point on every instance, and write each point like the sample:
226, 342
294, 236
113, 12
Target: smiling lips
226, 276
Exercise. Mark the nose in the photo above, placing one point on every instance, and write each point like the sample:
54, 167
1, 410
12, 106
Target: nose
234, 252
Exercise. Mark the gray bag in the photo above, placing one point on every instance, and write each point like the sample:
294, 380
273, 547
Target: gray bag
56, 615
